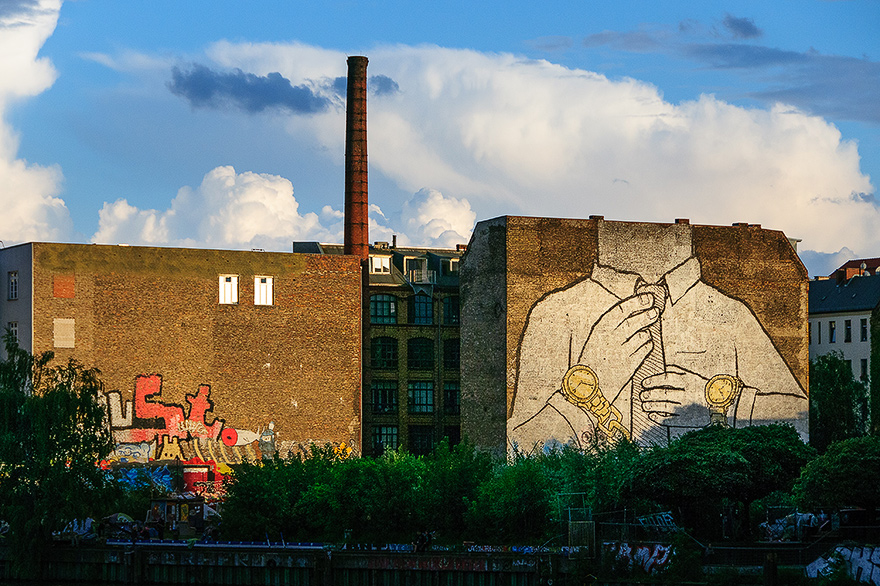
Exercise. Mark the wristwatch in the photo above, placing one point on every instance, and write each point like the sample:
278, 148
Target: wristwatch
721, 392
580, 387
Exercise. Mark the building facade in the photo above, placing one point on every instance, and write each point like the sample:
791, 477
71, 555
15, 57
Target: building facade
207, 356
581, 330
412, 355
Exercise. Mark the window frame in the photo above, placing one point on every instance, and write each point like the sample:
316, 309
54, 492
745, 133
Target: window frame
264, 292
452, 310
421, 309
847, 331
452, 354
228, 289
425, 444
420, 353
12, 285
420, 396
382, 433
452, 397
383, 395
386, 302
380, 265
832, 332
384, 353
863, 326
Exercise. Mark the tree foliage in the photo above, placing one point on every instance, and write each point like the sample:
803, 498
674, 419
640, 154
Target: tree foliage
53, 432
846, 475
838, 402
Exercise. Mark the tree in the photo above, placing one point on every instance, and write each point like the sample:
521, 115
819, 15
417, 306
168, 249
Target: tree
838, 402
702, 468
846, 475
53, 432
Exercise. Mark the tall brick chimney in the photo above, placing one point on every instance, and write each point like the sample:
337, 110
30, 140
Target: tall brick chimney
357, 228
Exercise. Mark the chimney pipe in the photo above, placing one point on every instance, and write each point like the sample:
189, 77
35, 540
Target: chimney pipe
357, 234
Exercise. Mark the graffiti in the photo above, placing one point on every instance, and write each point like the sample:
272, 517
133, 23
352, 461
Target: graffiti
137, 477
650, 557
860, 563
645, 349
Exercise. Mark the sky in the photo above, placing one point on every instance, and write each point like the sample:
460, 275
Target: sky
221, 124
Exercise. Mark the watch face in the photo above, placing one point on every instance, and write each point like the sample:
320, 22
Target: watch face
721, 390
580, 384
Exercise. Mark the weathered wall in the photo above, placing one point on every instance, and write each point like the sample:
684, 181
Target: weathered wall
722, 336
188, 376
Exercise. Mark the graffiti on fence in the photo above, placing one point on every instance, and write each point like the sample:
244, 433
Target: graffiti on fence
861, 563
651, 557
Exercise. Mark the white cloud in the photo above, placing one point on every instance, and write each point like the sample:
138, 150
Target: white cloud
31, 208
227, 210
523, 136
431, 219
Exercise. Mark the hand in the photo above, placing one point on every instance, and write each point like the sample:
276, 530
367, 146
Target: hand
619, 341
676, 397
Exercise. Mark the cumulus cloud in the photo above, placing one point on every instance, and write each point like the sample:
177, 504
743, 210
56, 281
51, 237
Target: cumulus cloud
227, 210
432, 219
32, 209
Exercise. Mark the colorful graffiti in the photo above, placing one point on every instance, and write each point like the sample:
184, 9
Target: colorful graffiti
148, 429
861, 563
649, 557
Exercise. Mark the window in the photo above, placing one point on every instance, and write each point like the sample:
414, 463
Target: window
384, 438
384, 396
383, 353
450, 266
421, 397
819, 330
12, 328
810, 331
451, 314
863, 369
863, 326
452, 398
263, 291
12, 281
420, 354
832, 332
847, 331
421, 309
453, 435
64, 333
451, 353
228, 289
380, 265
421, 439
383, 309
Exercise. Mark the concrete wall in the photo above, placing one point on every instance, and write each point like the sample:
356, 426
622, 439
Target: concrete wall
586, 356
189, 377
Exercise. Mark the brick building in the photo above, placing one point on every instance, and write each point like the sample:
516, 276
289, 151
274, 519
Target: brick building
718, 317
412, 382
204, 354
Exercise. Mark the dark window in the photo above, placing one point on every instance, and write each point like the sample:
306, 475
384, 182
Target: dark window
863, 367
847, 331
819, 331
451, 353
12, 328
832, 332
421, 309
452, 397
810, 331
13, 284
383, 309
383, 353
451, 313
384, 438
420, 354
384, 396
421, 397
864, 327
421, 439
453, 434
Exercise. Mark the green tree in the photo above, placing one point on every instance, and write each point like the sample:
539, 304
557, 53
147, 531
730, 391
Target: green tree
53, 432
846, 475
697, 472
838, 402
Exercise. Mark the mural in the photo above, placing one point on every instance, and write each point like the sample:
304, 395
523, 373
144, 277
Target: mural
147, 429
645, 349
861, 563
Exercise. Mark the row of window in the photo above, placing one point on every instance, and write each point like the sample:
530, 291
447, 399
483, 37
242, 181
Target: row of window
383, 309
421, 438
420, 397
263, 290
381, 265
831, 335
419, 353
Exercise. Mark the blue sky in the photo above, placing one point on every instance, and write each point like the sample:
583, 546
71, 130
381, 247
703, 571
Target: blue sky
221, 123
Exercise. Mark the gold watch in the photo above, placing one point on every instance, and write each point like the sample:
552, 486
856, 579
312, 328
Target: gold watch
580, 387
721, 392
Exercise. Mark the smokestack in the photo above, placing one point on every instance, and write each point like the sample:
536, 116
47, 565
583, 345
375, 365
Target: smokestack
357, 230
